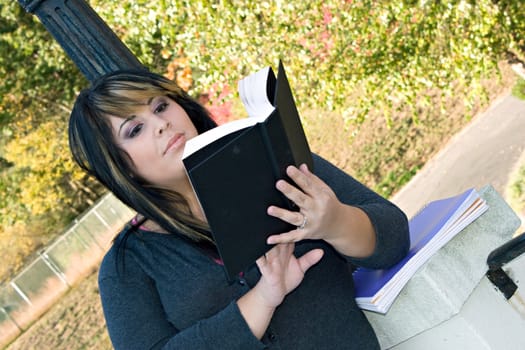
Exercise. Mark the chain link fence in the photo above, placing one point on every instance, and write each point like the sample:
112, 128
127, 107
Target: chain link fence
74, 255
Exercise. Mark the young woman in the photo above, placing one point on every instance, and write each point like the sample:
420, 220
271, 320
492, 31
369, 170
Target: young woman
162, 283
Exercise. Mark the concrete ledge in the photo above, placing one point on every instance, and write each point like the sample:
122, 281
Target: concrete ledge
441, 287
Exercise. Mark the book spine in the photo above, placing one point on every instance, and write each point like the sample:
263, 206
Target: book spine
271, 151
278, 150
285, 103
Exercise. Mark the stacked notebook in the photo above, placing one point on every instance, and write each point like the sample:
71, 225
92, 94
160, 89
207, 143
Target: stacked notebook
430, 229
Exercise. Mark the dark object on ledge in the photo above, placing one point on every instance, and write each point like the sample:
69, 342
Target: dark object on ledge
499, 257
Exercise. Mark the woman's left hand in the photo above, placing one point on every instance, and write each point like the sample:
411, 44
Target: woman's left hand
319, 208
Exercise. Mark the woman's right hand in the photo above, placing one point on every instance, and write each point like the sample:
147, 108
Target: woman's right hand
281, 273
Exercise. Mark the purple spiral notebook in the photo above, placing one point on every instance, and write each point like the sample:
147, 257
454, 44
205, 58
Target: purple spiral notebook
431, 228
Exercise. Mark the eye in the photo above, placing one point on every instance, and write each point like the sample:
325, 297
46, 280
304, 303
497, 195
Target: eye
161, 107
135, 130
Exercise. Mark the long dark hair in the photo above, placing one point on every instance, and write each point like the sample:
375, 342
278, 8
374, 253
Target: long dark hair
93, 146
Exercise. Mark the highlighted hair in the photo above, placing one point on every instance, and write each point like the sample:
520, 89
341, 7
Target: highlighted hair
93, 147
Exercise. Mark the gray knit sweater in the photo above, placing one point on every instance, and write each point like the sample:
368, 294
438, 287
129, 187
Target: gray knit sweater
170, 295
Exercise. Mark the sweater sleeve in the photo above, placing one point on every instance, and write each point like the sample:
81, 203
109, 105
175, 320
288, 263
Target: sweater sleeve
389, 222
136, 319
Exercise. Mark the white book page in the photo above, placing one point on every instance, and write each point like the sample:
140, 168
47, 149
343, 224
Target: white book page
252, 91
216, 133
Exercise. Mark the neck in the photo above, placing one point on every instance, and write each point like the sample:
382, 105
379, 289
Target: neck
186, 190
193, 202
195, 206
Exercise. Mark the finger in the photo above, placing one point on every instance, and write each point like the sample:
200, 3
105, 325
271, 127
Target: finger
292, 217
304, 168
261, 262
288, 237
302, 177
308, 182
291, 192
287, 249
277, 255
278, 250
309, 259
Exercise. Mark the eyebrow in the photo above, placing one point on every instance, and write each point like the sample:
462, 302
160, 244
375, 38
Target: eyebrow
128, 119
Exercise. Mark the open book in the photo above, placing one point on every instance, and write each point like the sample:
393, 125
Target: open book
233, 168
430, 229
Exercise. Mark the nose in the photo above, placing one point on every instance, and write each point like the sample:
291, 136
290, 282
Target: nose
162, 126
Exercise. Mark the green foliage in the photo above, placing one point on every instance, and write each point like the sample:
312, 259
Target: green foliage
518, 187
394, 180
518, 90
384, 54
33, 67
362, 59
515, 191
37, 175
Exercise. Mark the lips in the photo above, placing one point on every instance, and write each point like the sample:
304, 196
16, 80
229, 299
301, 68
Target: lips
174, 142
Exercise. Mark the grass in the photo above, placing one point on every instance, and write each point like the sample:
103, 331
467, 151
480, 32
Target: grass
519, 89
515, 191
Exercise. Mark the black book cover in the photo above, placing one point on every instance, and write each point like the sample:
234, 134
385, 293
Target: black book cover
234, 178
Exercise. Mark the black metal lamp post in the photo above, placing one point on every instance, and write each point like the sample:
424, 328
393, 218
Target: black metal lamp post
83, 35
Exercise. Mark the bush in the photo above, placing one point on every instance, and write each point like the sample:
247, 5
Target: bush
364, 60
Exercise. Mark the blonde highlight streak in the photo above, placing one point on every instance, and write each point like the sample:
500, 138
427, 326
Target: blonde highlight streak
124, 98
121, 98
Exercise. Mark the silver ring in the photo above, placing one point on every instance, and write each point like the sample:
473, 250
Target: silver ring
303, 224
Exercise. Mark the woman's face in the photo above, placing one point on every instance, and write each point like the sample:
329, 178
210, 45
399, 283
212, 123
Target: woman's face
154, 137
